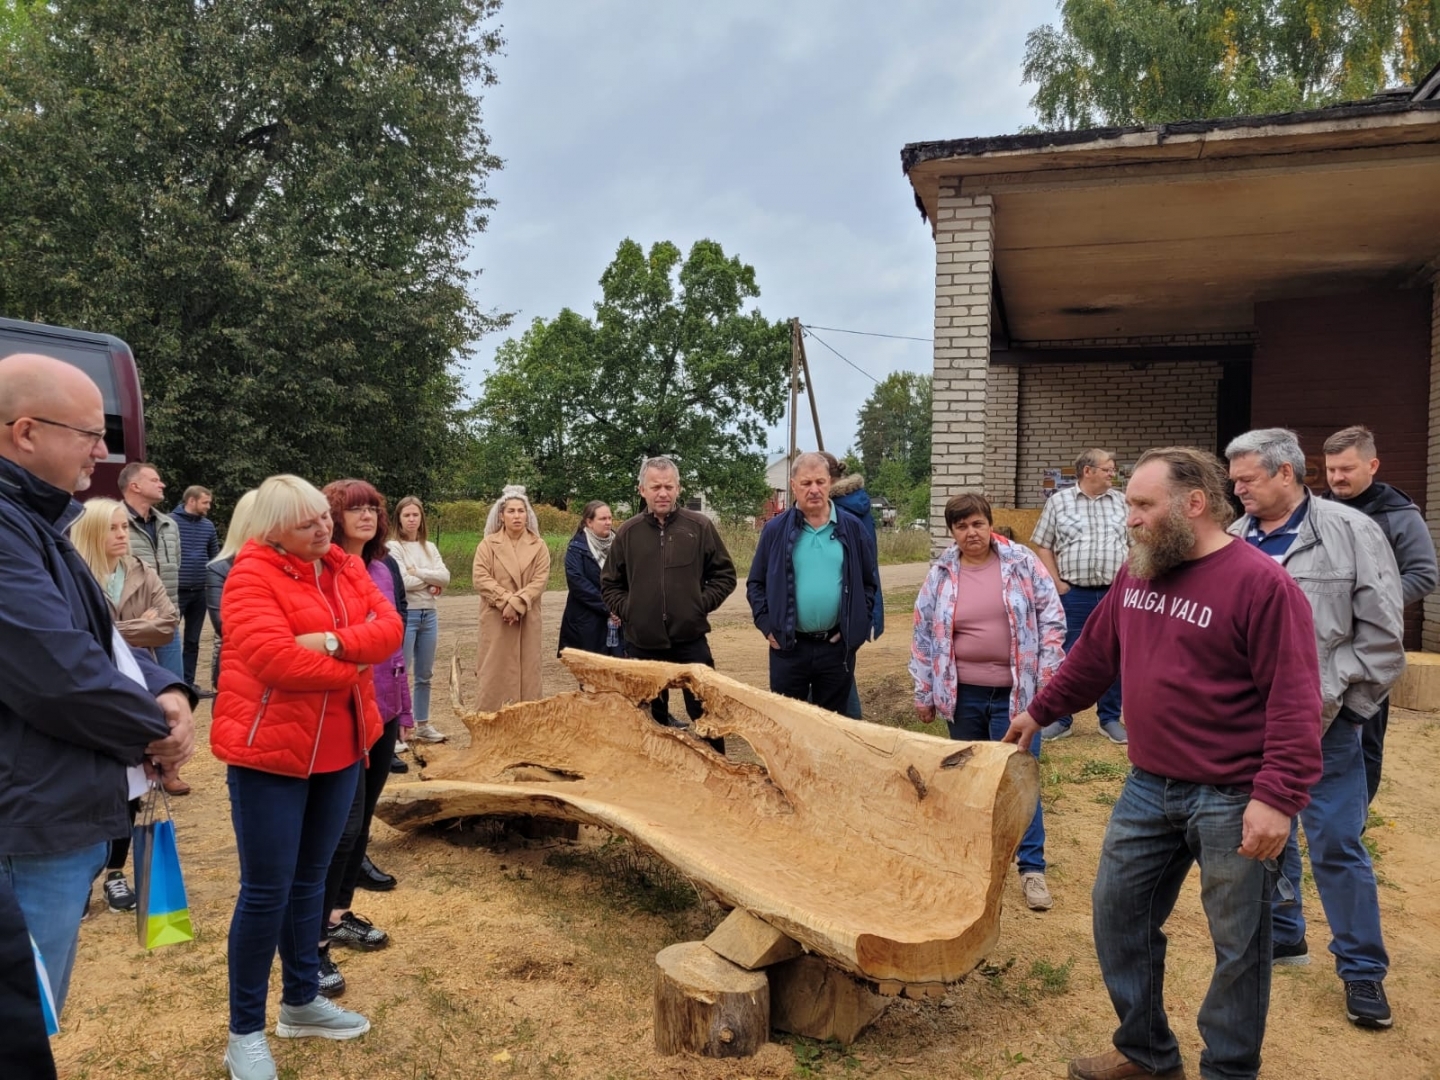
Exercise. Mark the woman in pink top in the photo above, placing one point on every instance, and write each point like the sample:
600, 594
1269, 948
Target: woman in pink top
989, 633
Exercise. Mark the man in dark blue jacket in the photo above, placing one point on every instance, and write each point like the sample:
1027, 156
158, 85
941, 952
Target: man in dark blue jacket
198, 547
812, 589
70, 719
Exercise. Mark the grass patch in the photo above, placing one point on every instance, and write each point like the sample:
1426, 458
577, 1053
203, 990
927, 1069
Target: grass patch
1044, 979
1095, 769
630, 877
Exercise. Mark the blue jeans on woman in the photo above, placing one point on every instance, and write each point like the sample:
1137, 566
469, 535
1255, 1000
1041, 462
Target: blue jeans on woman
422, 634
1157, 829
286, 830
982, 714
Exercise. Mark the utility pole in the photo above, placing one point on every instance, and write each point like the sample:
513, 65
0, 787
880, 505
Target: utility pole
799, 363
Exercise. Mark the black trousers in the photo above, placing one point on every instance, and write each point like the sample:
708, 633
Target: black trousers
818, 671
192, 616
350, 854
686, 652
24, 1046
120, 847
1372, 746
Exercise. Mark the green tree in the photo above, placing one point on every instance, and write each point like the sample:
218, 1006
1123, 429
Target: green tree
894, 430
1115, 62
675, 362
271, 202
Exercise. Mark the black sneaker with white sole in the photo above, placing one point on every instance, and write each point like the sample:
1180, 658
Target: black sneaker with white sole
332, 983
357, 933
1365, 1004
118, 893
1294, 955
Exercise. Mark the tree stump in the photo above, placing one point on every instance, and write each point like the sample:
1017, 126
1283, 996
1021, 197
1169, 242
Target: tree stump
814, 999
706, 1005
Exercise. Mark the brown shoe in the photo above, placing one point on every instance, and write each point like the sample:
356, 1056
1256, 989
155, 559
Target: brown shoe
1116, 1066
175, 786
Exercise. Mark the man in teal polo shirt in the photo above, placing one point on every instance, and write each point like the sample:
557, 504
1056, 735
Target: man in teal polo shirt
812, 589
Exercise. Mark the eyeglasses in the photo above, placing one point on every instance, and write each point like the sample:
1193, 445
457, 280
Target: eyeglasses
93, 436
1283, 888
375, 510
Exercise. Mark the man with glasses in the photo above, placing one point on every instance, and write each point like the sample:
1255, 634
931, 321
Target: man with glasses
1081, 539
76, 704
1217, 647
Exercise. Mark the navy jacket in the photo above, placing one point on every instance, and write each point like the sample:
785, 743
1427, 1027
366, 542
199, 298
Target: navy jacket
586, 618
848, 493
69, 720
198, 545
770, 588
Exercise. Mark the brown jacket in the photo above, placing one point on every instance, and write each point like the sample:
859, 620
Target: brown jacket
142, 591
510, 577
663, 582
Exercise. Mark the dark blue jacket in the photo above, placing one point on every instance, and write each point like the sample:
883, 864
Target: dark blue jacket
855, 499
586, 618
198, 545
770, 588
69, 720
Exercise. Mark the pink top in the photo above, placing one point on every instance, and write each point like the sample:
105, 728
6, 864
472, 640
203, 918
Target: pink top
982, 626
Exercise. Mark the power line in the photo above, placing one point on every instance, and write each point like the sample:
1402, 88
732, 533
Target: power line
810, 333
867, 333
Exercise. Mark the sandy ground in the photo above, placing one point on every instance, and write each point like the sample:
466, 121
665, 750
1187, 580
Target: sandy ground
506, 964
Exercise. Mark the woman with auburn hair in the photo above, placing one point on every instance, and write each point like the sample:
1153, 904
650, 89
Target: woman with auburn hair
144, 615
512, 566
989, 633
587, 623
426, 576
296, 713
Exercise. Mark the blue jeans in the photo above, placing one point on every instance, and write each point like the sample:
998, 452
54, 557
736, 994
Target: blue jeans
172, 656
1079, 604
422, 634
1158, 828
1343, 875
286, 830
53, 892
982, 713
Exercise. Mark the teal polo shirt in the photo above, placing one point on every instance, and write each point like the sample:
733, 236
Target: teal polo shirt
818, 561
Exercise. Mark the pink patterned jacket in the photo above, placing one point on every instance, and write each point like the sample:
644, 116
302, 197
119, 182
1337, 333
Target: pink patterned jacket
1037, 628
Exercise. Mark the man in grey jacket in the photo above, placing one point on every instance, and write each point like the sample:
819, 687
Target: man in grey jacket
155, 541
1343, 564
1350, 467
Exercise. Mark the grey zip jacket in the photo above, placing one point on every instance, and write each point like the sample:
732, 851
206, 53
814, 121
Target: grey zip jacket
1344, 566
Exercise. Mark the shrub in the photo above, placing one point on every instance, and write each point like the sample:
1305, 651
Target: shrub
464, 515
554, 521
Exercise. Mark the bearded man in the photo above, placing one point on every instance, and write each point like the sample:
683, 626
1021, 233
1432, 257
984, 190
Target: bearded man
1216, 650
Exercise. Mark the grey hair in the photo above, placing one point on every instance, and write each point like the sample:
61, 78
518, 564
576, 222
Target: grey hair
659, 463
810, 457
1091, 459
1275, 446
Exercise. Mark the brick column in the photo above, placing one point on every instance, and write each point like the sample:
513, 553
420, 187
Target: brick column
964, 229
1002, 434
1430, 635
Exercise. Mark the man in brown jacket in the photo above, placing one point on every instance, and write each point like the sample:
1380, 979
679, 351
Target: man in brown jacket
667, 571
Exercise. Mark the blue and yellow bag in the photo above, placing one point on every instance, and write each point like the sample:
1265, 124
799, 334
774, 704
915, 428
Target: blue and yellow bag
162, 911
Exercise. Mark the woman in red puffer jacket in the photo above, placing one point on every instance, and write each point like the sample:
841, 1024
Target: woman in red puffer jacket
293, 719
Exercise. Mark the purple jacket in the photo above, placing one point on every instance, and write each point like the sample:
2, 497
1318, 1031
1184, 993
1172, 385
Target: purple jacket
392, 687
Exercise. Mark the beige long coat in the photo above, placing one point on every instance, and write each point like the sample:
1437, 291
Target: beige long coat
144, 591
510, 575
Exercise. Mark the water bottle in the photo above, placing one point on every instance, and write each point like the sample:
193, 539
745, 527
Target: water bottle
612, 636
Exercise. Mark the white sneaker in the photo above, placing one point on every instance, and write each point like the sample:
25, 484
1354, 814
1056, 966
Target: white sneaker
426, 733
1037, 894
321, 1018
248, 1057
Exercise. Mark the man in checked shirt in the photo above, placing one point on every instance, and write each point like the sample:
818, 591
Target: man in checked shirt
1081, 539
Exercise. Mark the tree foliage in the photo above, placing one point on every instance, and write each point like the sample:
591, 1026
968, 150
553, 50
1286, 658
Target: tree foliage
894, 430
271, 202
675, 362
1118, 62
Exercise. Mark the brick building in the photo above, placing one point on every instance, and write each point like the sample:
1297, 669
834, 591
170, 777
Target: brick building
1133, 287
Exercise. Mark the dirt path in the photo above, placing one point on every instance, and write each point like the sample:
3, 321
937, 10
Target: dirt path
504, 964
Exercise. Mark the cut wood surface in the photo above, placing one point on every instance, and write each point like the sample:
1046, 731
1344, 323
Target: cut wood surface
706, 1005
886, 851
750, 942
1419, 685
812, 998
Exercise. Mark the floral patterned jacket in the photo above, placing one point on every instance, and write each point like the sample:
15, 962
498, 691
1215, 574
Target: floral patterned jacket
1037, 628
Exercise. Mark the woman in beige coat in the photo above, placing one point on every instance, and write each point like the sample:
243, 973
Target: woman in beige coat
512, 566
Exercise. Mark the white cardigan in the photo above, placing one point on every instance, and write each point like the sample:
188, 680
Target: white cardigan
420, 566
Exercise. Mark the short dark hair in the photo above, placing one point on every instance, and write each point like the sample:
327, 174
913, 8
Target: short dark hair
1357, 435
1190, 470
422, 534
195, 491
348, 495
967, 504
129, 472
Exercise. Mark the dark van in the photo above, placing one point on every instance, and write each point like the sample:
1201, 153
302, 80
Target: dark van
108, 361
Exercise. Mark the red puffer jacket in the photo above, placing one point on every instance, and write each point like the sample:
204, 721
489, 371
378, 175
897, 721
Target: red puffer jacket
273, 693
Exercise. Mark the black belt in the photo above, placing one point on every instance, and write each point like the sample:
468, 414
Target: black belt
817, 635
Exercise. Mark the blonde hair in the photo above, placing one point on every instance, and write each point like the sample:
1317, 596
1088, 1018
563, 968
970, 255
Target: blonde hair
242, 526
90, 533
282, 502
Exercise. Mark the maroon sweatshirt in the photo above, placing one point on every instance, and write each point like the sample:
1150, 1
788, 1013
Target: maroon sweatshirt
1221, 676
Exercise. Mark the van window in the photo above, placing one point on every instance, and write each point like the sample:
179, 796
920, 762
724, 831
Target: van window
95, 362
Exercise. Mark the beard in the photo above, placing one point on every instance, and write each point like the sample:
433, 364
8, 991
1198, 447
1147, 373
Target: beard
1157, 551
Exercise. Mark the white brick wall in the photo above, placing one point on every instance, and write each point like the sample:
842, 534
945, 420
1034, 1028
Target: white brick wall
1002, 433
1430, 635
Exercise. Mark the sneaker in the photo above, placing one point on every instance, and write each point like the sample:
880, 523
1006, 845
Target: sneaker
1365, 1004
1114, 730
118, 893
332, 983
356, 932
1057, 730
402, 747
426, 733
1037, 895
322, 1018
1296, 955
248, 1057
396, 765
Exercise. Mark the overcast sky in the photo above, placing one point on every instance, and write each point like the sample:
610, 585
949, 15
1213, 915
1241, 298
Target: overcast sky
772, 128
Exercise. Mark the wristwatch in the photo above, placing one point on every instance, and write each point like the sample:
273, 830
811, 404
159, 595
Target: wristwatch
332, 644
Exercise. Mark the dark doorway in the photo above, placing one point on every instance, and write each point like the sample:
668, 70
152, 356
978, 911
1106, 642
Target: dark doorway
1232, 404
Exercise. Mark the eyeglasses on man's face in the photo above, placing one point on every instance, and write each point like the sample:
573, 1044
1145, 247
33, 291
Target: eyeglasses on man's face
93, 436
